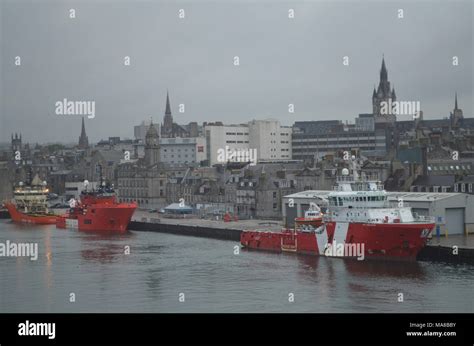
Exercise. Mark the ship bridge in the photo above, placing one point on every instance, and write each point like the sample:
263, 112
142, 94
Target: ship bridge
364, 182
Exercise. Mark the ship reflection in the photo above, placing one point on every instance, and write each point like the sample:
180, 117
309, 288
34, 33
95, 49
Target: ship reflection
384, 269
318, 268
101, 250
368, 268
105, 235
103, 254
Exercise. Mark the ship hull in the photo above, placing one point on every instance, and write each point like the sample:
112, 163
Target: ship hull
100, 218
383, 241
38, 219
391, 242
285, 241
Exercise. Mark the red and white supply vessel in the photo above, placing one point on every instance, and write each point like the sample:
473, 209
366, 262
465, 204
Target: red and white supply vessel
359, 223
303, 238
97, 210
363, 221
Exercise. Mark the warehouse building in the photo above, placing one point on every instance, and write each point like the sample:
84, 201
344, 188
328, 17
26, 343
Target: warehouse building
454, 212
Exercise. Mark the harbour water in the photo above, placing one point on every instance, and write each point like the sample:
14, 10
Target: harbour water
171, 273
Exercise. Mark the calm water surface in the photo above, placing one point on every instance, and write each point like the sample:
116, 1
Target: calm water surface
213, 279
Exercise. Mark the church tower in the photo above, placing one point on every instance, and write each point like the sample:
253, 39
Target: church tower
152, 146
167, 128
16, 144
383, 94
456, 115
83, 140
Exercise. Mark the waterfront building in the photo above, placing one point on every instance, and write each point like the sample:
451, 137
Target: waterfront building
271, 140
180, 145
183, 151
315, 139
144, 180
465, 184
103, 162
6, 185
178, 152
219, 137
257, 140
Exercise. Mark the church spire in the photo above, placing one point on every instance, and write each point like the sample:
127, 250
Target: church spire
167, 128
168, 108
83, 140
83, 130
383, 95
383, 71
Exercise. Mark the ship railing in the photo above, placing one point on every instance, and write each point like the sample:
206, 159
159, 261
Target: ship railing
359, 186
372, 204
417, 218
366, 177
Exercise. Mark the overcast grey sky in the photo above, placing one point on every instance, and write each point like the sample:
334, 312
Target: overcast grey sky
282, 61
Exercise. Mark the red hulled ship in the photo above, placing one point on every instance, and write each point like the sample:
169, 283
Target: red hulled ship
303, 238
360, 223
29, 204
97, 210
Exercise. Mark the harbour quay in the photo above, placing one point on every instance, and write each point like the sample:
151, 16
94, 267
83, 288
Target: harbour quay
217, 228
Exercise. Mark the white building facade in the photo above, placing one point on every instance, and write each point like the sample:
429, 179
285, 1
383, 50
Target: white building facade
258, 140
183, 151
